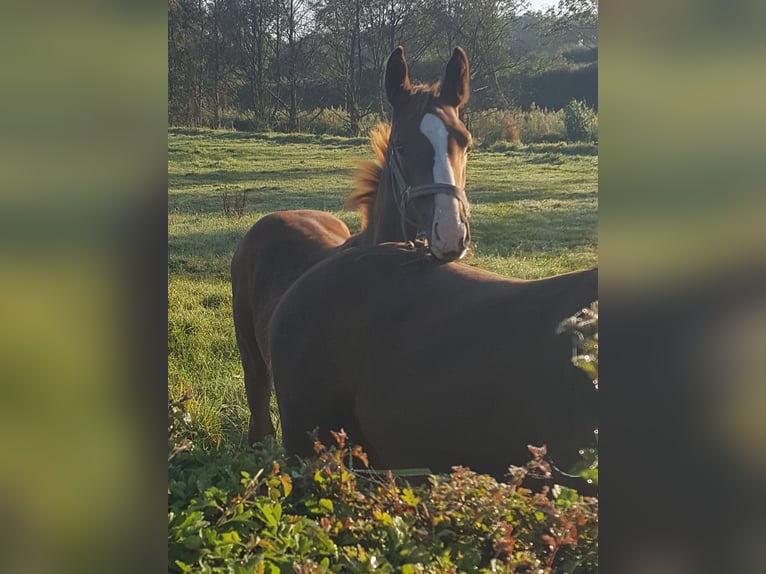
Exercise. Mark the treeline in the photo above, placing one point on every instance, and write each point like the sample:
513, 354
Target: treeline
287, 64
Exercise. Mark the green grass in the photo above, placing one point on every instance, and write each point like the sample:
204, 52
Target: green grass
534, 214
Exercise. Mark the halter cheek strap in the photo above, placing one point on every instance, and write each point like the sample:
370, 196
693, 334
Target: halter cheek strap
404, 193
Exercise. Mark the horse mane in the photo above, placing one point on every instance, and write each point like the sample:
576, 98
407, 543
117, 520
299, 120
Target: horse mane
367, 173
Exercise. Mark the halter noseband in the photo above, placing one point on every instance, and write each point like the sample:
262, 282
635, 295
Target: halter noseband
404, 193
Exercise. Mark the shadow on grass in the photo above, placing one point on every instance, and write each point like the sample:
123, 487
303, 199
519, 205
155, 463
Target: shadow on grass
548, 158
208, 254
485, 196
273, 137
261, 200
563, 148
223, 177
545, 231
202, 253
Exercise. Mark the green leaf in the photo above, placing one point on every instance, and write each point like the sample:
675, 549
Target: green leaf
270, 513
287, 484
564, 496
327, 504
383, 517
193, 542
230, 538
409, 497
183, 566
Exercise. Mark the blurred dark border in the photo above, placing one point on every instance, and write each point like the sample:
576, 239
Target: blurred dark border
682, 299
84, 290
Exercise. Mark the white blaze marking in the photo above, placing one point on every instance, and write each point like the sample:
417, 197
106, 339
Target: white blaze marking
436, 132
446, 208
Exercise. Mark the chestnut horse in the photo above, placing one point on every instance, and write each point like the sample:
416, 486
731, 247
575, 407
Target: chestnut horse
416, 188
432, 365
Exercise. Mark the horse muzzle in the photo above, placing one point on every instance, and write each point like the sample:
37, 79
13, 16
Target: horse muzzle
452, 247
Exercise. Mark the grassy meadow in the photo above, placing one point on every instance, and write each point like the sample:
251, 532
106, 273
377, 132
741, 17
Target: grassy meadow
534, 214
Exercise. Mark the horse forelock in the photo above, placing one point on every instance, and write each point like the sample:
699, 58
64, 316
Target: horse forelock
367, 174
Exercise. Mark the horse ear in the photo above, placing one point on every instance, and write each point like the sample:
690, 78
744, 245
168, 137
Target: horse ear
455, 87
397, 78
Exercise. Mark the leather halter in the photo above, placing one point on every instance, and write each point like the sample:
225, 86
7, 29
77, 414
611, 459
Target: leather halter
405, 193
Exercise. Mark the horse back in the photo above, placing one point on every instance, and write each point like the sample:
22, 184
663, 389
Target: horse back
274, 252
375, 335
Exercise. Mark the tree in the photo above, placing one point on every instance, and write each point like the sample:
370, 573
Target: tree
186, 82
576, 21
267, 59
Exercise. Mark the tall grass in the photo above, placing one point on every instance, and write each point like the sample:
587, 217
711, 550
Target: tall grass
322, 121
488, 126
534, 126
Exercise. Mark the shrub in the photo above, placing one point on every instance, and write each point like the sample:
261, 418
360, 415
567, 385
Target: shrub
258, 511
579, 120
515, 126
248, 121
487, 126
368, 122
594, 128
228, 118
583, 327
333, 121
576, 122
541, 125
510, 130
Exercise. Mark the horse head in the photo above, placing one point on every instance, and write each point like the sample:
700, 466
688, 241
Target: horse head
427, 153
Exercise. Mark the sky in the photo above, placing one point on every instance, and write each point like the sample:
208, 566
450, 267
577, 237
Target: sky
536, 5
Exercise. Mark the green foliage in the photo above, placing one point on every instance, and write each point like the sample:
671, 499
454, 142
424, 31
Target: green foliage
336, 121
541, 125
516, 126
583, 327
492, 125
576, 122
580, 122
258, 511
331, 120
247, 121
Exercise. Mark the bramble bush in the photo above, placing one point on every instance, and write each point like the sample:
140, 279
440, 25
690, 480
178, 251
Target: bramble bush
261, 511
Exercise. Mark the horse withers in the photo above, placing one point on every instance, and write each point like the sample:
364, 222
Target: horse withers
432, 365
415, 189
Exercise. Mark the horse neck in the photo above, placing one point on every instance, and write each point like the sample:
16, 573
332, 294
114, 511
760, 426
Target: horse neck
385, 224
